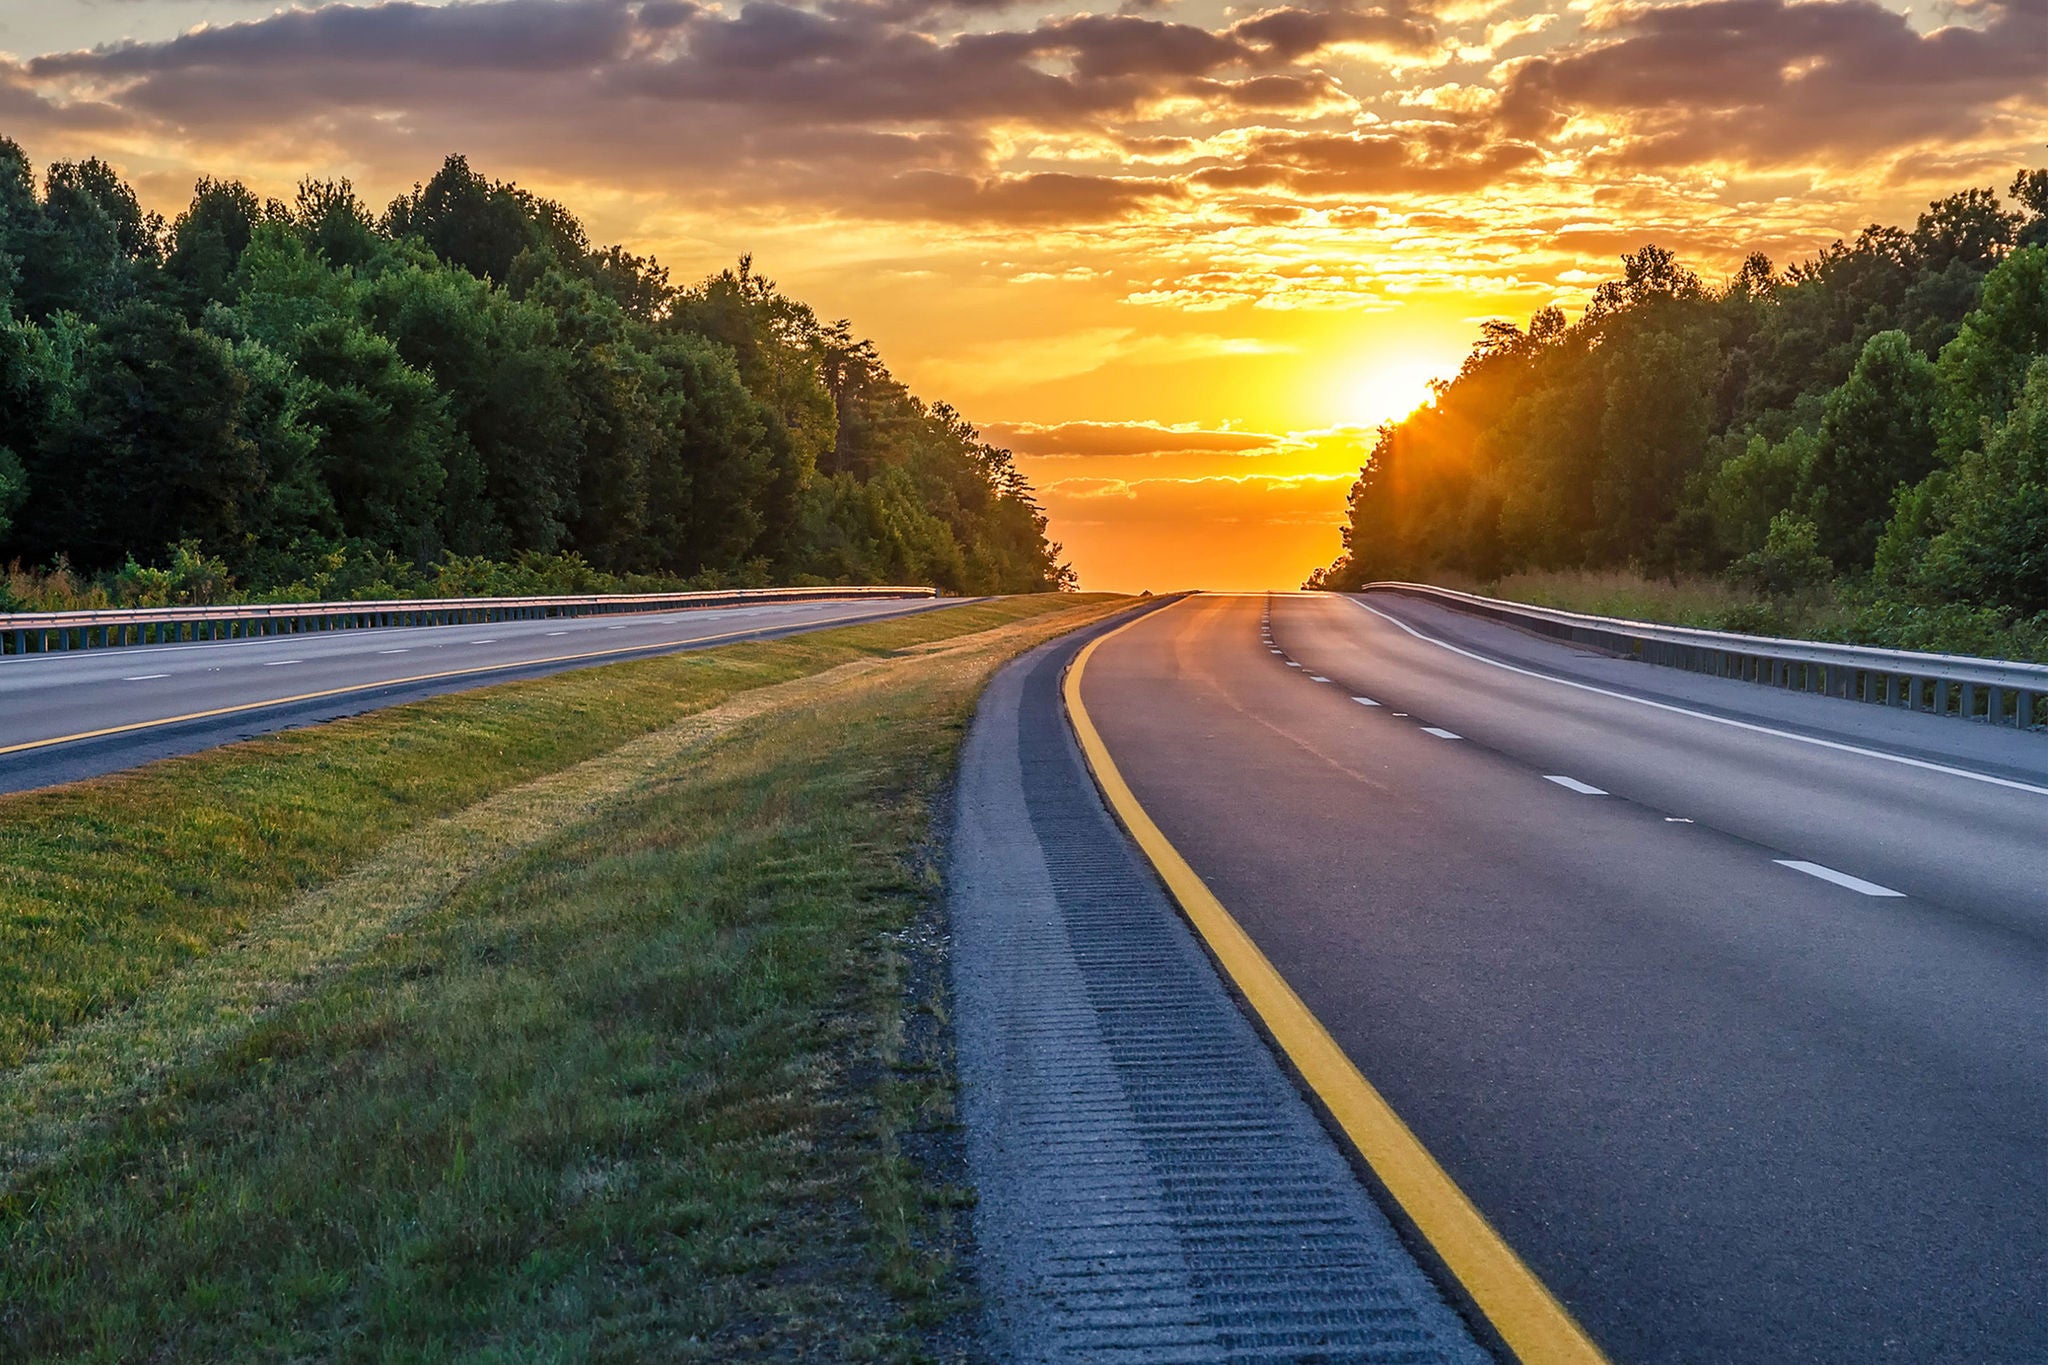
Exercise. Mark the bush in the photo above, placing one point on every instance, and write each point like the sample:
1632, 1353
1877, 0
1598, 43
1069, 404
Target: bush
1790, 563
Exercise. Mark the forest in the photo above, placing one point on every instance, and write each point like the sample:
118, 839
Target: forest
1858, 444
460, 394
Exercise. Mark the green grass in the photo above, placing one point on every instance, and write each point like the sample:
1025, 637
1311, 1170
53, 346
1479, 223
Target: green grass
1848, 612
563, 1021
112, 883
1689, 600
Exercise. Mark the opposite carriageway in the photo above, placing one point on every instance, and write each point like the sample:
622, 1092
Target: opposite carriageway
75, 713
59, 631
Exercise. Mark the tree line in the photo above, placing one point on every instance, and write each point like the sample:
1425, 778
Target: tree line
1868, 427
460, 392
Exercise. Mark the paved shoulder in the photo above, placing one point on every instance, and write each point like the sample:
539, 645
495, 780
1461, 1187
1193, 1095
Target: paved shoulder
1152, 1187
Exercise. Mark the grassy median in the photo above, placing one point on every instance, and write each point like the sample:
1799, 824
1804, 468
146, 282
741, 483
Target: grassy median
560, 1021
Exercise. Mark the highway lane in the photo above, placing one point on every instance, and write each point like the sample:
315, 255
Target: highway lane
55, 709
1728, 1109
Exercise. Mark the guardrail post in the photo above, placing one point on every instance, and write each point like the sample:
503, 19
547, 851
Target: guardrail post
1968, 709
1994, 706
2023, 716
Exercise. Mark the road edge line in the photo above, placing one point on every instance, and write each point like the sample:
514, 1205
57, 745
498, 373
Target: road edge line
1519, 1306
1753, 727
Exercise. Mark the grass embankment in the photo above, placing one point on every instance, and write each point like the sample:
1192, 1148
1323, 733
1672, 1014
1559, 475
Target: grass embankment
1686, 601
1845, 612
563, 1020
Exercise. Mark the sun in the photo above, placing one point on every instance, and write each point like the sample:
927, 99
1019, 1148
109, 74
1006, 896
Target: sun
1386, 391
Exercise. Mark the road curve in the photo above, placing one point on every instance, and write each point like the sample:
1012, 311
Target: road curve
67, 716
1727, 1007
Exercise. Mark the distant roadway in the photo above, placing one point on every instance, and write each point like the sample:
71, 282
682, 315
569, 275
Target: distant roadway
65, 716
1727, 1006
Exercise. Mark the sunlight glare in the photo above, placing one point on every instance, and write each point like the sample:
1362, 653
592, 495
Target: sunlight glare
1383, 391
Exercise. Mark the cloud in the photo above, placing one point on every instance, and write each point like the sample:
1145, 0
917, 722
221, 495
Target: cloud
1212, 500
1290, 34
1082, 439
506, 35
1046, 197
1778, 82
1425, 159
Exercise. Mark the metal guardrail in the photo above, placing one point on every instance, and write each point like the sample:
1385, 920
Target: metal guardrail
51, 631
1990, 690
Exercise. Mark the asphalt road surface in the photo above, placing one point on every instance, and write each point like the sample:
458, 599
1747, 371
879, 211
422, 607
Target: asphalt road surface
272, 684
1727, 1006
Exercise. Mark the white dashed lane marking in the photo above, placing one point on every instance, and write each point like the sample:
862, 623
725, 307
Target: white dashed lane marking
1317, 677
280, 663
145, 677
1439, 733
1828, 874
1365, 701
1573, 784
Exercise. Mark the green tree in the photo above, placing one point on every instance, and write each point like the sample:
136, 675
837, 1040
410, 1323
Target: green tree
1981, 371
207, 243
154, 450
1876, 436
466, 393
336, 225
13, 489
1991, 548
88, 245
1789, 562
1747, 492
1968, 227
1657, 413
479, 225
507, 382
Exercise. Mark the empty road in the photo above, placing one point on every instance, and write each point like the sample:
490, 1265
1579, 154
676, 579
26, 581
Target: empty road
66, 716
1728, 1007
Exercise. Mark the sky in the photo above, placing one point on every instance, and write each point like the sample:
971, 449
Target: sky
1181, 256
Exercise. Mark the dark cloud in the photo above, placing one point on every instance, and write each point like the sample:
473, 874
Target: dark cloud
1290, 34
1270, 94
911, 108
1042, 198
514, 36
1365, 163
1770, 82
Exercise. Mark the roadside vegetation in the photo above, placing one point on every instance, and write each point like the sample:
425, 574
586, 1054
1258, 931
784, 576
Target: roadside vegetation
573, 1019
1842, 611
1856, 447
458, 394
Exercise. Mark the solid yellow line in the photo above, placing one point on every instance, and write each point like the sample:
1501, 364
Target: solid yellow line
364, 687
1535, 1326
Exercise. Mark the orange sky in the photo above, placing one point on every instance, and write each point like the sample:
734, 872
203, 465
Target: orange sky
1180, 256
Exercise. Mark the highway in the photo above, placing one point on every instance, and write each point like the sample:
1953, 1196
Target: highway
1727, 1007
66, 716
